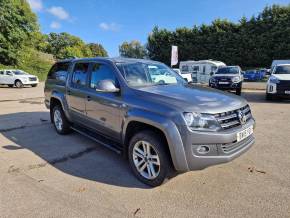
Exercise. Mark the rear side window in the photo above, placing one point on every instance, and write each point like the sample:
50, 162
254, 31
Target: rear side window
184, 68
59, 72
195, 68
101, 72
80, 72
1, 73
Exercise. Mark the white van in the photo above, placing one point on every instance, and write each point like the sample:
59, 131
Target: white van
278, 85
278, 62
199, 71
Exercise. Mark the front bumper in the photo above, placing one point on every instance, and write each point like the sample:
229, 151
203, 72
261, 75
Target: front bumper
223, 146
276, 91
230, 86
29, 82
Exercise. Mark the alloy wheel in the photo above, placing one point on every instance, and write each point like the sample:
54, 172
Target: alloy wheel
146, 160
57, 120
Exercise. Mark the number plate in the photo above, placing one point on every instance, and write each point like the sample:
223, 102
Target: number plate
223, 82
245, 133
287, 92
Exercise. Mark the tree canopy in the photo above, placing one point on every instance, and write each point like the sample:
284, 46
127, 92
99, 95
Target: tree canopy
22, 45
17, 23
253, 42
133, 49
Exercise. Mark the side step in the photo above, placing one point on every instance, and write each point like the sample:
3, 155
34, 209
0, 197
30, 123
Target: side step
97, 138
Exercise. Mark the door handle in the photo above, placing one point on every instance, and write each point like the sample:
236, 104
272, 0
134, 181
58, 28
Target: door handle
89, 98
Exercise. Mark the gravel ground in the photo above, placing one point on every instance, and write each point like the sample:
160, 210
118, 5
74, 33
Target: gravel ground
43, 174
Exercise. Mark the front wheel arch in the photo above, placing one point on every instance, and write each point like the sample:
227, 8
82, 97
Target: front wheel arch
18, 80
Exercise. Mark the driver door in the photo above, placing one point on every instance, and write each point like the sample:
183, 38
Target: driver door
103, 108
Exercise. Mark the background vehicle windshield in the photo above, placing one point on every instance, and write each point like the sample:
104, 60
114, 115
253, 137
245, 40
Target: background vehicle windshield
18, 72
141, 74
285, 69
228, 70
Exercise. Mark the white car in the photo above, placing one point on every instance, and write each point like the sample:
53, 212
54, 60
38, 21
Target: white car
278, 84
17, 78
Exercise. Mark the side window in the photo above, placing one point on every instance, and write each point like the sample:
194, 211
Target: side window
195, 68
101, 72
9, 73
80, 74
1, 73
184, 68
59, 71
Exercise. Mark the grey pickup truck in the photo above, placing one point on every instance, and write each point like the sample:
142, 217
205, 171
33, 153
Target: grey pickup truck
148, 113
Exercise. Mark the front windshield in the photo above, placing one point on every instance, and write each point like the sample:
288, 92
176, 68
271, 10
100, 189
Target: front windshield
228, 70
148, 74
18, 72
284, 69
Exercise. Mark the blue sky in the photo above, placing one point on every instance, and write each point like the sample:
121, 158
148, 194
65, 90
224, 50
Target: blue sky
111, 22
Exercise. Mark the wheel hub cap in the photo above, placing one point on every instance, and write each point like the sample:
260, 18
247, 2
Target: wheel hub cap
146, 160
57, 120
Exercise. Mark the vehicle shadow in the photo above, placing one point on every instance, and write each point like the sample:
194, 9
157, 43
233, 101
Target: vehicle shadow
260, 97
72, 154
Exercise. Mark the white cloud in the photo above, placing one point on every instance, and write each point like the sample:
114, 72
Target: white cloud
55, 25
36, 5
59, 12
109, 26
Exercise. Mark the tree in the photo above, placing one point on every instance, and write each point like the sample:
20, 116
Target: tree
64, 45
97, 50
17, 25
132, 49
253, 42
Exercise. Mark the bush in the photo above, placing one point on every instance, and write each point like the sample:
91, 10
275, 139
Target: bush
33, 62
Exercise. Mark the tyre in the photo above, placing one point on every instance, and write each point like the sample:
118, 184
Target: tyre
60, 122
34, 85
10, 85
239, 91
18, 84
149, 158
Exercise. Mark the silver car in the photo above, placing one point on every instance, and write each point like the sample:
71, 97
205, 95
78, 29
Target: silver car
161, 124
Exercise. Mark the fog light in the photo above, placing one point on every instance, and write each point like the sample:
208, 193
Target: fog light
202, 149
271, 88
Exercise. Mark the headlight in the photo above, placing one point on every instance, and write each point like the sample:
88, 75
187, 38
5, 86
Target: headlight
274, 80
201, 122
236, 79
212, 80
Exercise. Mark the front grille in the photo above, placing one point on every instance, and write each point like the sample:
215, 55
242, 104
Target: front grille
283, 85
32, 78
223, 79
230, 119
232, 147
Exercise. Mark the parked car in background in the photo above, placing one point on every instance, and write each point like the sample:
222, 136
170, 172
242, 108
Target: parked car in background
254, 75
199, 71
17, 78
228, 78
278, 62
278, 85
159, 127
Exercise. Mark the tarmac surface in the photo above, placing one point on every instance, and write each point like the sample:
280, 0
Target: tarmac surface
43, 174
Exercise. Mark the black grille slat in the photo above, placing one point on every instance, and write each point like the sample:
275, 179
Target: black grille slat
230, 119
228, 148
283, 85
